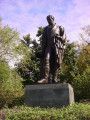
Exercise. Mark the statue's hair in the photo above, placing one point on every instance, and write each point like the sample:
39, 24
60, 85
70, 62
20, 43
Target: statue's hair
50, 16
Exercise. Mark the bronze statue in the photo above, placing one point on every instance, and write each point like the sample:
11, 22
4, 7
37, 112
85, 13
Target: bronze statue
53, 45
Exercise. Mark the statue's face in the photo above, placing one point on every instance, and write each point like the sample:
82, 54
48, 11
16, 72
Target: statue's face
50, 21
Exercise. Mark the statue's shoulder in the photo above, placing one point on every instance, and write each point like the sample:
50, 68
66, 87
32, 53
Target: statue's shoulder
45, 28
61, 28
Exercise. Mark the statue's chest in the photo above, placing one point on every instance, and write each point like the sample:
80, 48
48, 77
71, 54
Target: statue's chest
53, 30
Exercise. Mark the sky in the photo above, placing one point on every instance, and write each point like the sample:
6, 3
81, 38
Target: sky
28, 15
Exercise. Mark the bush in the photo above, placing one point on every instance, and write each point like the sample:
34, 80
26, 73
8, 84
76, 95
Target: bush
74, 112
10, 85
81, 84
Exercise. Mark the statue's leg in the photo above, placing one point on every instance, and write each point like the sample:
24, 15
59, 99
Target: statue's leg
46, 66
53, 65
55, 74
41, 68
57, 66
55, 69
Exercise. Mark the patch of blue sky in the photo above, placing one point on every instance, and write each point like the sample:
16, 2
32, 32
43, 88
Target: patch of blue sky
65, 4
16, 9
35, 11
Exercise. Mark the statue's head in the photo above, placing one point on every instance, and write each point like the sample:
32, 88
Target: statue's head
50, 19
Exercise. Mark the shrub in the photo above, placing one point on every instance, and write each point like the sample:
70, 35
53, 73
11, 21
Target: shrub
10, 85
81, 84
74, 112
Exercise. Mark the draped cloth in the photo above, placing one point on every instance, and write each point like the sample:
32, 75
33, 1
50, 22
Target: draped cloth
59, 46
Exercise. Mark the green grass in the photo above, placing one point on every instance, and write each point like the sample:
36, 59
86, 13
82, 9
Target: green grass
76, 111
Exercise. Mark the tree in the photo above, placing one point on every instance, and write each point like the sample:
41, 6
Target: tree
84, 57
0, 23
28, 67
11, 87
81, 80
9, 38
39, 33
85, 35
81, 84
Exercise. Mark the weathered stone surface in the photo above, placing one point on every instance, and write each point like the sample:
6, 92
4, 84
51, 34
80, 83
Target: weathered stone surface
51, 95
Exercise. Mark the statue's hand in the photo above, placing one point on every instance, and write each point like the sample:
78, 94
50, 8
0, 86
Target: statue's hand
58, 36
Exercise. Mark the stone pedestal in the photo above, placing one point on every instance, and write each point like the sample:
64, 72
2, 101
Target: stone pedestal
51, 95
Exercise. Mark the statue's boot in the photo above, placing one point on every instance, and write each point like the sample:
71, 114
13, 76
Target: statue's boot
54, 80
45, 79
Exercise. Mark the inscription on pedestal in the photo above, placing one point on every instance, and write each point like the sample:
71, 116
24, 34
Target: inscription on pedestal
51, 95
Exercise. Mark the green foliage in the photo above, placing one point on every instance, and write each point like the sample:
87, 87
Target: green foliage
4, 71
8, 40
28, 68
81, 79
10, 85
84, 59
73, 112
39, 33
10, 82
81, 84
27, 39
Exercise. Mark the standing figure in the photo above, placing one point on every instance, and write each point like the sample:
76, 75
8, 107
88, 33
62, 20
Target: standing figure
53, 45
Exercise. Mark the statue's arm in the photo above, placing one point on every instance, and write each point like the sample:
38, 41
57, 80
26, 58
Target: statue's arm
63, 34
44, 40
43, 45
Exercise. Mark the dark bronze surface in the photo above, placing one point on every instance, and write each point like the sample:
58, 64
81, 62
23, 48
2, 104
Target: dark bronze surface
53, 45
